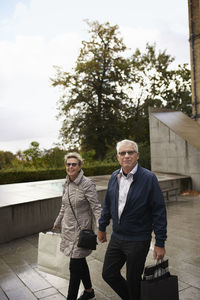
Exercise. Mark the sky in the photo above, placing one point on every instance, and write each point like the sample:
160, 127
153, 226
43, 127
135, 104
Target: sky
36, 35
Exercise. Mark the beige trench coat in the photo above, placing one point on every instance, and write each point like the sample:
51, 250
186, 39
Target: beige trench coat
83, 197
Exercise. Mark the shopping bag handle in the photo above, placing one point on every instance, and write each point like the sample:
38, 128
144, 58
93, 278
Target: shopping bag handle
53, 230
158, 261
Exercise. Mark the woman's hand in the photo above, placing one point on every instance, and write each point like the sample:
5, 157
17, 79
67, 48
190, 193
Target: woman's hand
56, 228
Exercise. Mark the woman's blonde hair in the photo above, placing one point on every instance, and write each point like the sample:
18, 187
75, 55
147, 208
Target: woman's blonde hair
74, 155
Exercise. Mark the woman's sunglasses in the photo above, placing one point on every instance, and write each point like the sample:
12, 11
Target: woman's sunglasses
71, 164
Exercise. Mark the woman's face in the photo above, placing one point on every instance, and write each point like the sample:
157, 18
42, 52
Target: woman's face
72, 168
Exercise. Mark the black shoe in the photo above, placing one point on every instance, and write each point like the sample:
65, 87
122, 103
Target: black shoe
87, 295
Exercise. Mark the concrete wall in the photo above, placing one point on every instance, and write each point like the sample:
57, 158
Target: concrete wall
24, 219
194, 30
172, 154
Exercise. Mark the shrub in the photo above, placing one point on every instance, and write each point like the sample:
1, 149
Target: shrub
13, 176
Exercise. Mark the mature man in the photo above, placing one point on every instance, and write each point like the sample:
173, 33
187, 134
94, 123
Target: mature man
135, 204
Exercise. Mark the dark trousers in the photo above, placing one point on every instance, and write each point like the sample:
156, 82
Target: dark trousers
134, 254
79, 271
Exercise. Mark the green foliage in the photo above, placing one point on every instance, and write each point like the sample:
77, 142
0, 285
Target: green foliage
106, 97
156, 84
11, 176
88, 156
23, 172
6, 159
33, 155
33, 158
54, 157
95, 94
144, 160
100, 169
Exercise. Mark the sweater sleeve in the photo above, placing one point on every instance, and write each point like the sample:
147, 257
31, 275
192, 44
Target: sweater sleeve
159, 214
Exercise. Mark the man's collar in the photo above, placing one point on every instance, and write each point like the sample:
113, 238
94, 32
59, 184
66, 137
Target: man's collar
133, 171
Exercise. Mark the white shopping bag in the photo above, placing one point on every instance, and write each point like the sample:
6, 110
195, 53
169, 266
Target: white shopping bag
50, 259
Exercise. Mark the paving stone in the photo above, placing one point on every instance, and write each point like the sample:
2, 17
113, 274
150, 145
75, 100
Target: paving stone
185, 277
95, 267
55, 297
32, 239
197, 284
115, 297
55, 281
194, 260
46, 292
63, 290
12, 285
189, 268
25, 272
21, 248
182, 285
20, 294
190, 293
2, 295
100, 296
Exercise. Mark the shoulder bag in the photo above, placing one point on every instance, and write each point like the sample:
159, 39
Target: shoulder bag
87, 237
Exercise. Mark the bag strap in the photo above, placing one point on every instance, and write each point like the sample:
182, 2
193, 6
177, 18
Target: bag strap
73, 209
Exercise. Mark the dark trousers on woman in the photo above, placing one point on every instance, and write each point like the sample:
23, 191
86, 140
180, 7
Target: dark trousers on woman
134, 255
79, 271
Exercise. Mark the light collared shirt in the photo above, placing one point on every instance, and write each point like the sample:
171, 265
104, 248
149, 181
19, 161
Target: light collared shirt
124, 185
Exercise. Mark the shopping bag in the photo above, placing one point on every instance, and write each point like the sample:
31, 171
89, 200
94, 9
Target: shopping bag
160, 269
160, 288
50, 259
158, 283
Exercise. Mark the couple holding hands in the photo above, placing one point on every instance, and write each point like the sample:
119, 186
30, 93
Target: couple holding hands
135, 204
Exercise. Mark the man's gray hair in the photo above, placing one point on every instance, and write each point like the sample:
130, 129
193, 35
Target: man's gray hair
123, 142
74, 155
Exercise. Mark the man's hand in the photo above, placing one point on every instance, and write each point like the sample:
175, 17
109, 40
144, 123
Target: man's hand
159, 252
102, 236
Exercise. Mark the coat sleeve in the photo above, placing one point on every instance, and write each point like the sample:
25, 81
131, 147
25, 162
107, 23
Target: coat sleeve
159, 214
61, 212
104, 220
91, 196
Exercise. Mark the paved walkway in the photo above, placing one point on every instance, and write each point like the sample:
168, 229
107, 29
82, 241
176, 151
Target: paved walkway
21, 280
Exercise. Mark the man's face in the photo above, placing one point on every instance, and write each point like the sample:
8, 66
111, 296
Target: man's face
127, 157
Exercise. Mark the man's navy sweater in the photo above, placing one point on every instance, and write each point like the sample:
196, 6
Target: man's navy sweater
144, 210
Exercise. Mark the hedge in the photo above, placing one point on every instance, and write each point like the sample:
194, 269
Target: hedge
12, 176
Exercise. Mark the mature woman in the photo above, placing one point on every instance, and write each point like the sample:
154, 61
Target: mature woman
81, 192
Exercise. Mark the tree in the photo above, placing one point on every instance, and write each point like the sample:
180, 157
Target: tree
155, 84
33, 155
54, 157
6, 159
106, 97
94, 98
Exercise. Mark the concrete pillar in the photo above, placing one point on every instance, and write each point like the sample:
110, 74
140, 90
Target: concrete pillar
194, 29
